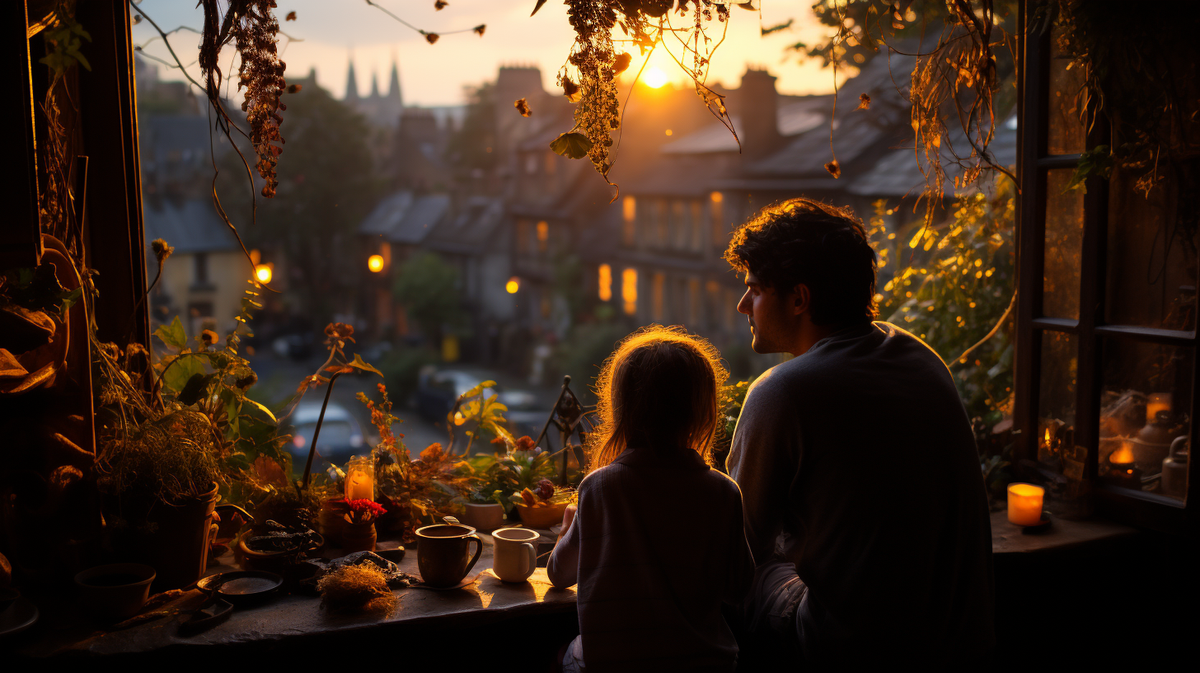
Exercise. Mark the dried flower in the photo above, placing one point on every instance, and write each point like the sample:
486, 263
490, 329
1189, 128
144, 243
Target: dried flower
478, 30
161, 250
432, 453
439, 4
339, 332
208, 337
834, 169
522, 106
291, 16
432, 38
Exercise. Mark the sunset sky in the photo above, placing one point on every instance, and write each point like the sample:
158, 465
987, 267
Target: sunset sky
333, 31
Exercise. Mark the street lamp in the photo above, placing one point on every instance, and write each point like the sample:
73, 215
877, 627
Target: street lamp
375, 263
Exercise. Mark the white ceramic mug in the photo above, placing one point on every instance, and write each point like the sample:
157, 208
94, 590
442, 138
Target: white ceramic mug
514, 553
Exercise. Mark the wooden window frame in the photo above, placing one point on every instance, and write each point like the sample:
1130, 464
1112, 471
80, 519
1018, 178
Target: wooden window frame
1148, 510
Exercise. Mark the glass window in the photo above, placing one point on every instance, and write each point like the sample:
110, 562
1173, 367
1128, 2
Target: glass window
720, 233
605, 282
543, 236
1063, 246
1066, 133
1151, 258
1144, 417
679, 226
697, 225
629, 221
629, 290
658, 296
1056, 450
661, 224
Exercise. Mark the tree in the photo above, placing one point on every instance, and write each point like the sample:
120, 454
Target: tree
429, 289
326, 186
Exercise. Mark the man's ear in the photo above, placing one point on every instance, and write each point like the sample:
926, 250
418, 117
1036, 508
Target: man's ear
801, 299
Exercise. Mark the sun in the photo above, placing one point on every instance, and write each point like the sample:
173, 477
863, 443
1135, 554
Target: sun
654, 77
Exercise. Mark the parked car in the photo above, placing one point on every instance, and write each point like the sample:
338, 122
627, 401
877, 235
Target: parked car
526, 413
437, 391
341, 436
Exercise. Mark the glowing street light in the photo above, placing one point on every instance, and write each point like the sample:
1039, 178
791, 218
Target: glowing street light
375, 263
263, 273
512, 285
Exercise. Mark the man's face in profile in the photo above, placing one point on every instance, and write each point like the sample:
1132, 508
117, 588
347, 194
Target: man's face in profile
766, 310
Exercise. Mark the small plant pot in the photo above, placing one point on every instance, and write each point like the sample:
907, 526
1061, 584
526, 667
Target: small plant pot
332, 520
542, 516
277, 562
358, 537
116, 591
487, 517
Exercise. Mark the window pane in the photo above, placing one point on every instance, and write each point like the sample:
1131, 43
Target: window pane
1063, 246
1151, 257
1144, 417
1066, 133
1056, 406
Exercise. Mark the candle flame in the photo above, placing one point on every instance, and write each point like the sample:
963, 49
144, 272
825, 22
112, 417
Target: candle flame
1123, 455
1047, 437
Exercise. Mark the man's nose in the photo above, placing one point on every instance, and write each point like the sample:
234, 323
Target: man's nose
744, 303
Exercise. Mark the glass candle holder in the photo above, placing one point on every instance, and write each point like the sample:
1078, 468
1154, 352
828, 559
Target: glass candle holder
360, 479
1025, 504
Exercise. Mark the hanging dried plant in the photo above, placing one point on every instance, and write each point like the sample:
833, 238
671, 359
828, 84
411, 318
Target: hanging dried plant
253, 28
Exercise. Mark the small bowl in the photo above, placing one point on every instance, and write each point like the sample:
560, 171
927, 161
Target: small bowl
116, 591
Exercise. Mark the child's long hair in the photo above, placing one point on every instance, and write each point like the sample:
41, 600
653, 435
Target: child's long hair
658, 390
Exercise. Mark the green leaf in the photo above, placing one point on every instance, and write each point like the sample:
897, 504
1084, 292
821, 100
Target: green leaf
194, 389
359, 364
263, 409
172, 335
571, 145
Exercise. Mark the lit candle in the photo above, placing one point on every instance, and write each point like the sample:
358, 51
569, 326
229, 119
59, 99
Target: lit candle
1025, 504
1156, 403
360, 484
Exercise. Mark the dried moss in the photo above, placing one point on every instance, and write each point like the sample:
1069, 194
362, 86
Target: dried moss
357, 588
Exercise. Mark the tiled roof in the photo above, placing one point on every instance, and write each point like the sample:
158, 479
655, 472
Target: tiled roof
406, 218
189, 226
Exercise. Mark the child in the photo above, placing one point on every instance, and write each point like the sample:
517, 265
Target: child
656, 544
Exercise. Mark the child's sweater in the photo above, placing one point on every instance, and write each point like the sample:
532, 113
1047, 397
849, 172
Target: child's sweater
656, 546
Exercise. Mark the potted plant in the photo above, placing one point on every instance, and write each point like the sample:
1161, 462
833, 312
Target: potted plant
173, 437
483, 507
358, 531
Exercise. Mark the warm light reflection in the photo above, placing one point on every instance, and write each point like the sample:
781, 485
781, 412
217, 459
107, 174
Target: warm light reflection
375, 263
263, 273
512, 285
543, 235
654, 77
629, 293
716, 197
605, 282
668, 132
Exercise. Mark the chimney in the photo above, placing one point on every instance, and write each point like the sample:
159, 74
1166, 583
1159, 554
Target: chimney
758, 107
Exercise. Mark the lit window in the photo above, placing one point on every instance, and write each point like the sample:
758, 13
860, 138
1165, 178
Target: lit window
629, 290
543, 235
628, 231
605, 282
719, 235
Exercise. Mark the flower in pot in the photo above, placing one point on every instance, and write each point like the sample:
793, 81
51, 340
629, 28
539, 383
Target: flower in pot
358, 533
543, 506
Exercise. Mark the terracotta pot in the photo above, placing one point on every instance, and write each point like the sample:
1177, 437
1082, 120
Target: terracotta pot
331, 520
486, 517
358, 536
173, 539
543, 516
277, 562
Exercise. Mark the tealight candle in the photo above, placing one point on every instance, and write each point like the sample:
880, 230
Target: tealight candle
360, 483
1025, 504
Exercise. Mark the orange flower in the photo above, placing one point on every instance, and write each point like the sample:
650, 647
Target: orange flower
433, 453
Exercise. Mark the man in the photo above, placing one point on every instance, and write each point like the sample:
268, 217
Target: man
864, 504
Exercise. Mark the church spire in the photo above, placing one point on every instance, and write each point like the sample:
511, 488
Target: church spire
394, 84
374, 86
351, 83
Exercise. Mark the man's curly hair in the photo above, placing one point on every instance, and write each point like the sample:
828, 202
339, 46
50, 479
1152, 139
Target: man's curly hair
819, 245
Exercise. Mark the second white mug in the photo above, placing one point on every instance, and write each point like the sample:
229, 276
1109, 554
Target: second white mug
514, 553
